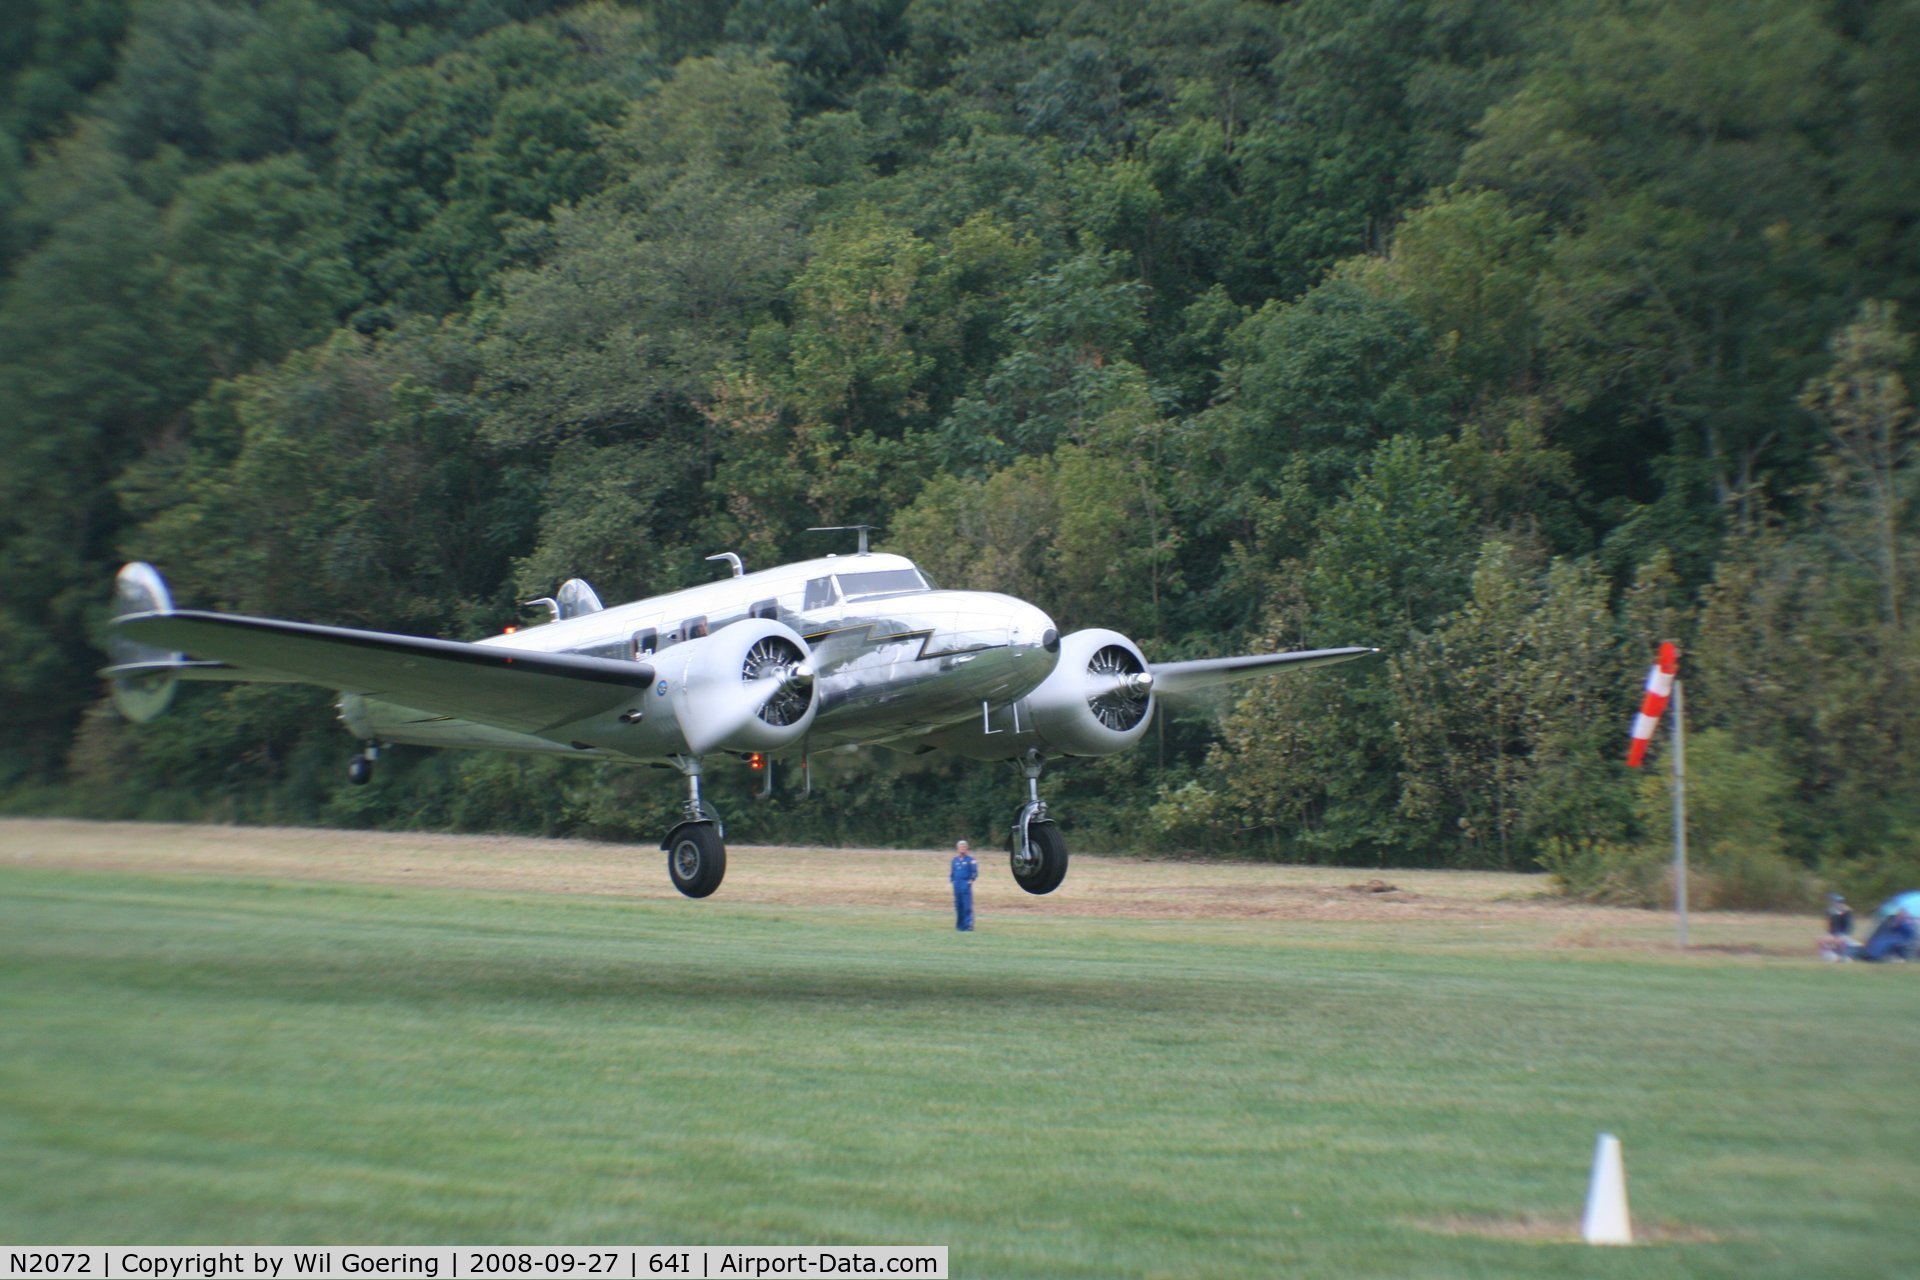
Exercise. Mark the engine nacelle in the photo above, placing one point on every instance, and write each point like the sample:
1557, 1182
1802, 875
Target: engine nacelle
746, 687
1098, 700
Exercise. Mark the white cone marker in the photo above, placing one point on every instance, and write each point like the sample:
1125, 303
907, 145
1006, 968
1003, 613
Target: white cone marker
1606, 1221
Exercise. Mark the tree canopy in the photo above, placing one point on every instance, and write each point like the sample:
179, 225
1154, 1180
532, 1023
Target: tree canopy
1510, 339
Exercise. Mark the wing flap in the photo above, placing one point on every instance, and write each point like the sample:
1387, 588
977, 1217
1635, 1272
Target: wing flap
519, 689
1173, 679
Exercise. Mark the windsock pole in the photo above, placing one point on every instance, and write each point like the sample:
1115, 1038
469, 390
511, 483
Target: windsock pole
1680, 808
1663, 685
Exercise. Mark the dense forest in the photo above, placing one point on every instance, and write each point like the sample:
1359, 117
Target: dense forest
1509, 338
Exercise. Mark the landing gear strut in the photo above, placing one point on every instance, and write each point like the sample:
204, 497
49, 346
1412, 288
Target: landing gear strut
1039, 850
360, 768
696, 849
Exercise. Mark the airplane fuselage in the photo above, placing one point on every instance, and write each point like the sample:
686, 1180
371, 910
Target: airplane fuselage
893, 657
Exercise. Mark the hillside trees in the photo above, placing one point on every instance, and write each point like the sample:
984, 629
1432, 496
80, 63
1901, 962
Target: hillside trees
1507, 339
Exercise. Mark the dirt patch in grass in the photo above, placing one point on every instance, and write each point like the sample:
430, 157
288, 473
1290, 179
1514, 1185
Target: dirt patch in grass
1787, 942
1483, 908
768, 874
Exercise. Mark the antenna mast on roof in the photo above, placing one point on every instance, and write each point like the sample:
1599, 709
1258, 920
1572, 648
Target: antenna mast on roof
843, 528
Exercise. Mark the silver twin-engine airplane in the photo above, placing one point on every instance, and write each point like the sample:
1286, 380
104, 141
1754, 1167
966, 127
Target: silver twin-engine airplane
859, 649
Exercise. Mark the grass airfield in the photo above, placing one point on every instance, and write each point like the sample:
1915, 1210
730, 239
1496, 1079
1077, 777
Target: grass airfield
228, 1035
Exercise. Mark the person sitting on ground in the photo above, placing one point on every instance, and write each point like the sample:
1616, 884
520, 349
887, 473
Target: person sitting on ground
1893, 940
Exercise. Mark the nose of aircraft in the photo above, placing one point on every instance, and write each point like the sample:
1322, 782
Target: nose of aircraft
1013, 641
1031, 636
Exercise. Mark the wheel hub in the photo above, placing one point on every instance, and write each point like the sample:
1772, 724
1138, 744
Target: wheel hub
686, 859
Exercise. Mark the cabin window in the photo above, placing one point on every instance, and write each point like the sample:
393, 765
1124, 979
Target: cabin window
645, 643
819, 594
765, 609
694, 628
879, 582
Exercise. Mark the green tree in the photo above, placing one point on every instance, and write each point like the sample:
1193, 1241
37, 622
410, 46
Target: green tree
856, 354
1323, 380
438, 163
90, 372
257, 261
1867, 500
283, 84
154, 103
1083, 530
1507, 715
1376, 103
831, 46
343, 485
1689, 276
622, 325
1461, 692
52, 55
1069, 364
1308, 766
1803, 640
1467, 266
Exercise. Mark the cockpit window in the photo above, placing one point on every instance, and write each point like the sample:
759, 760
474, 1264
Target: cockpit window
880, 582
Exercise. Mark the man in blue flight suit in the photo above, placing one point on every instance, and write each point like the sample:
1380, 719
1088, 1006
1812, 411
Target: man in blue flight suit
963, 873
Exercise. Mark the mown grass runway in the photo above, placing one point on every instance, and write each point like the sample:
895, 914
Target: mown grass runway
220, 1057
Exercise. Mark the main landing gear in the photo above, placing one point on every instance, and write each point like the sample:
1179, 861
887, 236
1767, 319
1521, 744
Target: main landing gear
696, 849
1039, 850
360, 768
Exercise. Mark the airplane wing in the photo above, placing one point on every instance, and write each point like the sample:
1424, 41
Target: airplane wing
1172, 679
517, 689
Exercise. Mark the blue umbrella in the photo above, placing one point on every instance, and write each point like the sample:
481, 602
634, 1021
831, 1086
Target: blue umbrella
1908, 902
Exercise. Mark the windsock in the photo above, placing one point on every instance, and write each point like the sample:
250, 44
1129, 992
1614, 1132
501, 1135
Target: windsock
1659, 689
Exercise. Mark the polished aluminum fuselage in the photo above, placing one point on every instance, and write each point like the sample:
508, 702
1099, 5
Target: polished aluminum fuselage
889, 664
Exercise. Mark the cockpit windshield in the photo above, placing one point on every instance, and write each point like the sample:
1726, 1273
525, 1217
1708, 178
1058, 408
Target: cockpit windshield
880, 582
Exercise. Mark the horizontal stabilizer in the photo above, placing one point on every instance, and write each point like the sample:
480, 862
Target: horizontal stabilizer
1173, 679
527, 691
179, 668
142, 678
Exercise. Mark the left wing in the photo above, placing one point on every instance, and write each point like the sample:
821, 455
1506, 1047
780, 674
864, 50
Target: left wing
1172, 679
489, 684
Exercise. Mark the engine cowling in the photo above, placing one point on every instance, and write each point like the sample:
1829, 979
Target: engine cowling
746, 687
1098, 700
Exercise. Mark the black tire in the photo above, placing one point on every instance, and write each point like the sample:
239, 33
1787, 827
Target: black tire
1052, 867
696, 859
359, 771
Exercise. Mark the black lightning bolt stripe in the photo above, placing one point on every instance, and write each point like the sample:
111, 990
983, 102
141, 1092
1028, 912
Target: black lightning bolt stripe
924, 635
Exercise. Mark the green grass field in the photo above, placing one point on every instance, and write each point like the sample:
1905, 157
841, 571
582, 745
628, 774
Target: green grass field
276, 1046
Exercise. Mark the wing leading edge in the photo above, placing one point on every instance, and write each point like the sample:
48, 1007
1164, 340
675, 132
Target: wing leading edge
1172, 679
527, 691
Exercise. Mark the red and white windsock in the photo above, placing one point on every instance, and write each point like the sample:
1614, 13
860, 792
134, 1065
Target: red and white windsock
1659, 689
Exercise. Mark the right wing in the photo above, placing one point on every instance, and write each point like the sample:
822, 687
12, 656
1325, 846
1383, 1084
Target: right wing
518, 689
1172, 679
